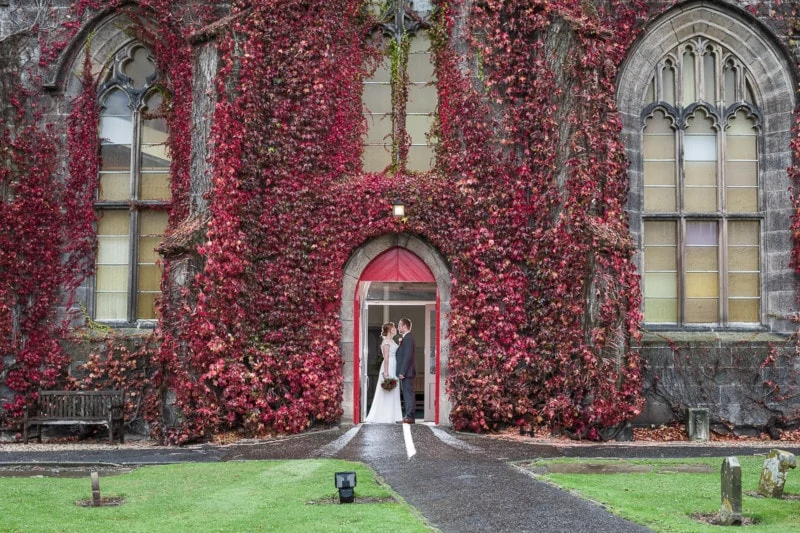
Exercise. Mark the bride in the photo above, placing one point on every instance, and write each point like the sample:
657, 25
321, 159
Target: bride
386, 403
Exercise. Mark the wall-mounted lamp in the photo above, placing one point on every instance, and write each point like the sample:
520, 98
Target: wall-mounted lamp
398, 209
346, 483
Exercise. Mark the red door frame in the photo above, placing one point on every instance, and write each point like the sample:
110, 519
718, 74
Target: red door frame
394, 264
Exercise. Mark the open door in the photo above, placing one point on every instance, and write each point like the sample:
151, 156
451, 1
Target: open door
397, 284
364, 370
431, 362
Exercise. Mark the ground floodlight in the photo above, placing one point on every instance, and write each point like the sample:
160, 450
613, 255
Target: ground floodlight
346, 483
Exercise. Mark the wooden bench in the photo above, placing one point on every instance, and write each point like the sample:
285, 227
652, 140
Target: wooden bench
60, 407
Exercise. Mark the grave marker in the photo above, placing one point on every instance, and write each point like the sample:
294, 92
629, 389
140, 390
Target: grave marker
773, 475
697, 423
730, 511
96, 500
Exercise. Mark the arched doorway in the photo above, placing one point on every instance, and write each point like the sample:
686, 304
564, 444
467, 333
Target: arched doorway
391, 277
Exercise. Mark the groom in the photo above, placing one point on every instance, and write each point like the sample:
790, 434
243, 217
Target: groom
406, 368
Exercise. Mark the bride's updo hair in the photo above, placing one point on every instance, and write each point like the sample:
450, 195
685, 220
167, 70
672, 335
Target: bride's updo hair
387, 329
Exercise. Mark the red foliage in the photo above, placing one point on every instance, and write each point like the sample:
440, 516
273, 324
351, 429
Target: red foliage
47, 241
545, 299
527, 204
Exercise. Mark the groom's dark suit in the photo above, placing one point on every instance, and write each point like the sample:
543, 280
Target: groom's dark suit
407, 367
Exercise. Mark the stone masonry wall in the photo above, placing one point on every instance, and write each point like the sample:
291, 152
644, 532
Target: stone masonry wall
747, 381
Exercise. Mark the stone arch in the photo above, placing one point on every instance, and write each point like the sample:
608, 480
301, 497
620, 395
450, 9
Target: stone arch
771, 69
109, 31
352, 273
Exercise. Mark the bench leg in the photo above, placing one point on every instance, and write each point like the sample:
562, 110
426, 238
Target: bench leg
25, 432
120, 432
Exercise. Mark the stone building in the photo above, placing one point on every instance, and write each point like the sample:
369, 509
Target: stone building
706, 99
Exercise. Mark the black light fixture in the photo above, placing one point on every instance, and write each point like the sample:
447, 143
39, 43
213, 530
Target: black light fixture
346, 483
398, 209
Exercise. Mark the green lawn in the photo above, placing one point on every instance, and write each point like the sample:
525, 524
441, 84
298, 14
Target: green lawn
231, 497
666, 501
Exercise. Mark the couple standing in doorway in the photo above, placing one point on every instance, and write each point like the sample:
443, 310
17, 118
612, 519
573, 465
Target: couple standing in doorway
399, 362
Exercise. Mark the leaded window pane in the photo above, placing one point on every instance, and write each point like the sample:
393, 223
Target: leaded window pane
701, 273
154, 135
661, 258
377, 104
376, 158
744, 310
659, 199
700, 285
709, 77
117, 103
134, 189
377, 97
661, 276
742, 200
689, 86
701, 174
730, 86
111, 305
379, 129
741, 154
420, 158
700, 199
660, 169
112, 276
115, 157
700, 147
155, 186
154, 157
420, 62
418, 127
422, 98
668, 86
744, 280
114, 186
702, 310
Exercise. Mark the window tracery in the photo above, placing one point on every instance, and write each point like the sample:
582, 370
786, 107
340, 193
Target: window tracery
702, 212
134, 188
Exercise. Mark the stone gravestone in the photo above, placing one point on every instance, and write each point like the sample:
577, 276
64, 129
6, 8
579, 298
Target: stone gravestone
697, 424
730, 512
96, 500
773, 475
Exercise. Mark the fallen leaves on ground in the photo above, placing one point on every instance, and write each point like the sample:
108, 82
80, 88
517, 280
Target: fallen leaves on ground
662, 433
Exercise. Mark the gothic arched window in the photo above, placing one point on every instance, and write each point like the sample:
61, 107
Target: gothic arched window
707, 101
400, 98
702, 210
134, 188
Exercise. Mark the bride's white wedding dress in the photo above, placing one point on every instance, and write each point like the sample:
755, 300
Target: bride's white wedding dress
386, 404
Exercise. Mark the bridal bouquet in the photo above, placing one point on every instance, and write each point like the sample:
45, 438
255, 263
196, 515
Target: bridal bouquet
389, 384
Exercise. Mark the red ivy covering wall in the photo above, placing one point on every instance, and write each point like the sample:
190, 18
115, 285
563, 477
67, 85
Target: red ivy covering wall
526, 203
47, 242
544, 298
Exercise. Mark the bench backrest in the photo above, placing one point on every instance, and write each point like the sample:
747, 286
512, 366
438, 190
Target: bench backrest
79, 405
